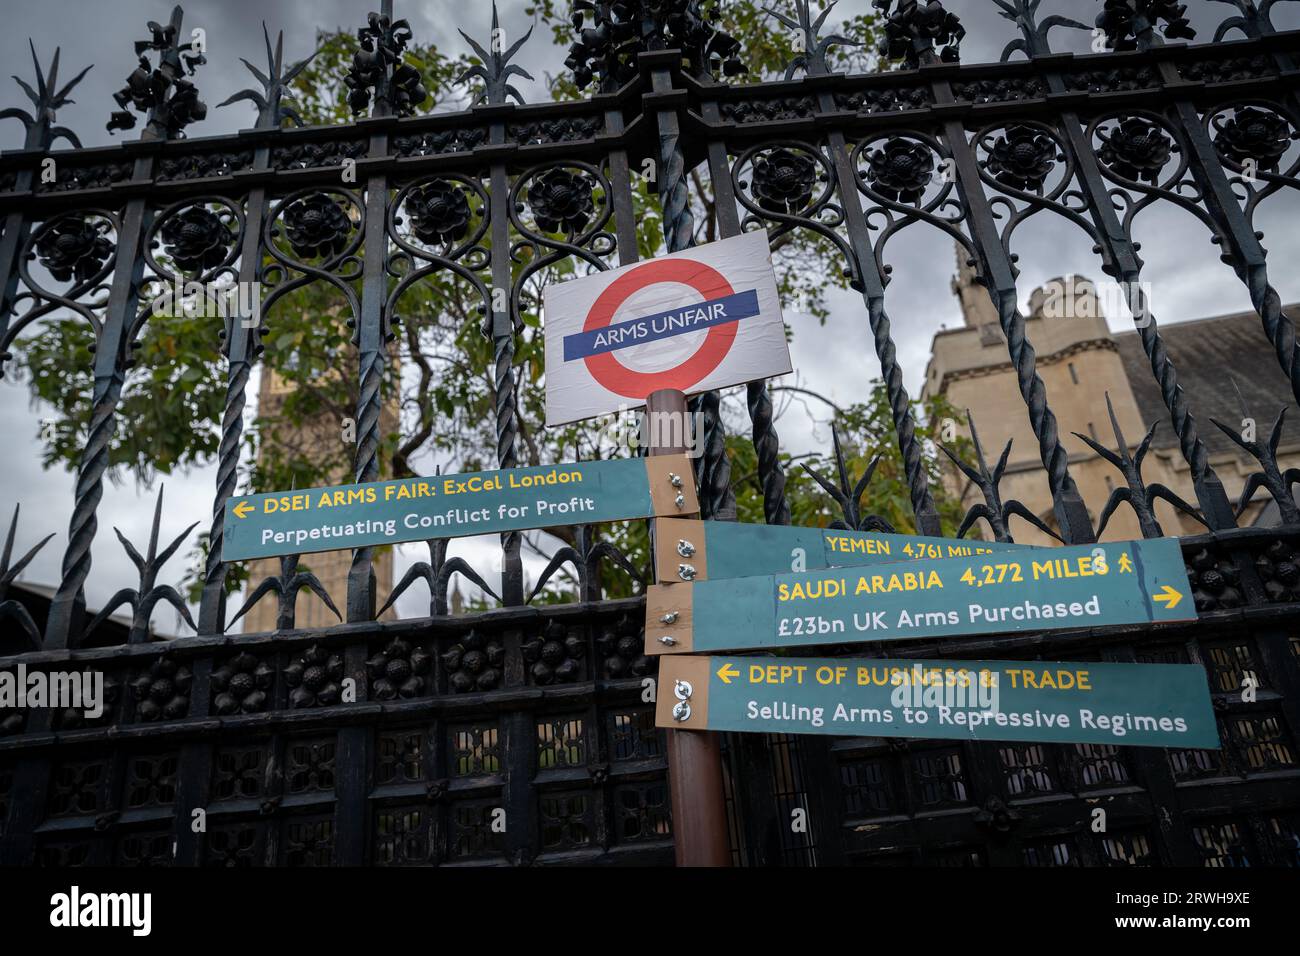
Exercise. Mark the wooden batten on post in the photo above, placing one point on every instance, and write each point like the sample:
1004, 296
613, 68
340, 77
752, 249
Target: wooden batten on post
694, 757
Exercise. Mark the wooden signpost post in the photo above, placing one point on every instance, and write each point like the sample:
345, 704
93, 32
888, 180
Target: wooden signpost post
699, 804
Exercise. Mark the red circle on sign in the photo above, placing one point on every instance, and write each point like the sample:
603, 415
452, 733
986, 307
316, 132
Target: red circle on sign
621, 380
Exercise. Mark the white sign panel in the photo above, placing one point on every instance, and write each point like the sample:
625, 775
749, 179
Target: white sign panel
696, 320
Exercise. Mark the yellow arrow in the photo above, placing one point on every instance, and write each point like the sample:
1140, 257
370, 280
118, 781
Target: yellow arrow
728, 671
1168, 597
244, 509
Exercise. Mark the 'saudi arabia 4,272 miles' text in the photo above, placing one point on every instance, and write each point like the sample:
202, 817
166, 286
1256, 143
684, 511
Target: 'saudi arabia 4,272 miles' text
1111, 583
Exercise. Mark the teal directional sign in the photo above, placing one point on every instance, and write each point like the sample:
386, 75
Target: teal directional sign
451, 506
1126, 582
687, 549
1146, 705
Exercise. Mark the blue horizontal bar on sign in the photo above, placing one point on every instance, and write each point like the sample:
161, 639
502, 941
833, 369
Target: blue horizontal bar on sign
661, 325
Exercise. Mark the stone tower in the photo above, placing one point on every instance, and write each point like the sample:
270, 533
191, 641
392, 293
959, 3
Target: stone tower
1079, 363
318, 438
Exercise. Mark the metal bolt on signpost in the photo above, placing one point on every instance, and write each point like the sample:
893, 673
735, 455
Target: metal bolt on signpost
694, 757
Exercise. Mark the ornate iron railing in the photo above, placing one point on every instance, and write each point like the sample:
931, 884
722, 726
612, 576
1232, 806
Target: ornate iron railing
538, 713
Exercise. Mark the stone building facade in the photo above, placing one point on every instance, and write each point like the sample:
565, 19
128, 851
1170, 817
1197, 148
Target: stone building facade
1081, 362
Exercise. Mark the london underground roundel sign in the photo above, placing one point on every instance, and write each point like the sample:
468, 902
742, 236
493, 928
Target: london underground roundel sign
696, 320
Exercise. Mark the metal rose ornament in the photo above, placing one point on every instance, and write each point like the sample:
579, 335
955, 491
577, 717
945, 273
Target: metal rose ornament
163, 690
561, 201
196, 239
317, 226
554, 655
74, 247
473, 663
784, 180
1253, 134
901, 169
1135, 149
1022, 157
439, 212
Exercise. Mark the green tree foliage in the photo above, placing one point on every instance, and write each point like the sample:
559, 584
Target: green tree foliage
866, 433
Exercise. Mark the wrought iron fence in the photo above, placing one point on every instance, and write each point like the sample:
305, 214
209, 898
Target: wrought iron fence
537, 712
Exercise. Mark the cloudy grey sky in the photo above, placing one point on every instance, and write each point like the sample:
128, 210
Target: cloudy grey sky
1187, 279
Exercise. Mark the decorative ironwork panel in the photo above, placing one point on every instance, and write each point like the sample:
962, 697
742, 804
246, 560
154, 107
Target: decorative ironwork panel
522, 731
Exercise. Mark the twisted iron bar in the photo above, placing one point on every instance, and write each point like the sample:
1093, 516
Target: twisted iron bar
679, 221
507, 435
1162, 368
242, 341
1247, 255
1000, 283
41, 134
762, 418
699, 463
868, 275
900, 407
361, 576
112, 358
232, 430
1241, 245
1034, 392
507, 425
776, 510
713, 468
1277, 324
90, 488
501, 329
503, 350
